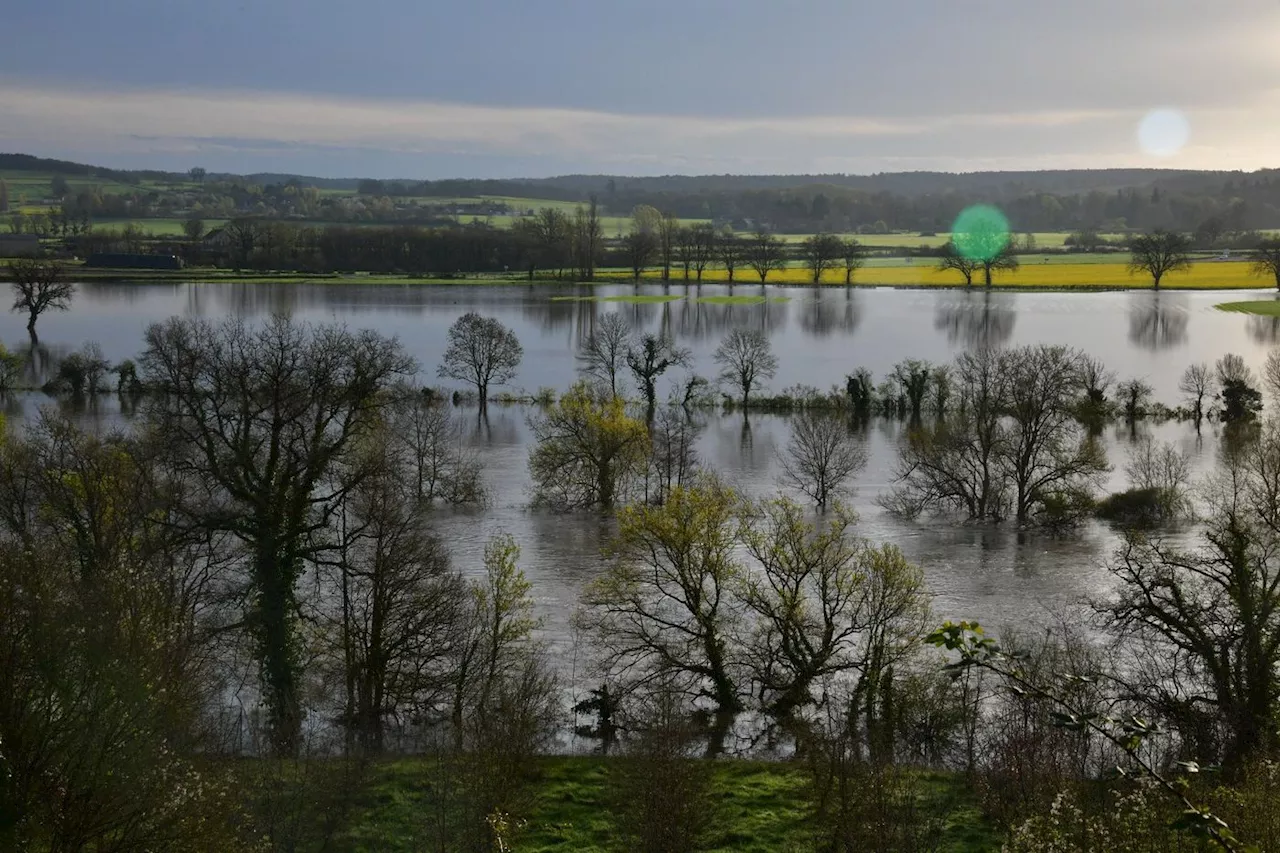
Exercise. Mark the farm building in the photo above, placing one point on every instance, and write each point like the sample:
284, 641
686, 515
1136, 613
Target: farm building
19, 245
120, 260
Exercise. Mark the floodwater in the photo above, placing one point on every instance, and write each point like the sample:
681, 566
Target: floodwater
997, 576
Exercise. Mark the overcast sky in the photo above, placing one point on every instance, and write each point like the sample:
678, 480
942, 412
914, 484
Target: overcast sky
503, 88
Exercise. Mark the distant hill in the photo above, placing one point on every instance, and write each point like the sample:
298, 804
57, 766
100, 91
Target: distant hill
572, 187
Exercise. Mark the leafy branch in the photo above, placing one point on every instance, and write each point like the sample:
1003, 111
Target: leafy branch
1129, 733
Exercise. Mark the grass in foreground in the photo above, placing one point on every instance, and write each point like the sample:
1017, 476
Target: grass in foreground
1268, 308
761, 809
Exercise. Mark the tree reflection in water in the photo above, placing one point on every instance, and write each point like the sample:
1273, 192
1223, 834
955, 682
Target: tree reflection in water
824, 311
977, 320
1158, 321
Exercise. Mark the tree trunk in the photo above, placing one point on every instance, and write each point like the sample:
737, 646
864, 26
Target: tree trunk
274, 629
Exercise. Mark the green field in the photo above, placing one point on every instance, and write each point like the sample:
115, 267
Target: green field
155, 227
759, 807
1267, 308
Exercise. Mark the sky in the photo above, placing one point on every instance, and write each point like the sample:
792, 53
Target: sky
533, 88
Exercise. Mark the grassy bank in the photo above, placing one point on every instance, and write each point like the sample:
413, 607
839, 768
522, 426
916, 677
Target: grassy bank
761, 807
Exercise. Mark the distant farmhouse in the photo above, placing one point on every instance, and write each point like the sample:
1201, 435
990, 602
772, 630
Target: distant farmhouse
19, 245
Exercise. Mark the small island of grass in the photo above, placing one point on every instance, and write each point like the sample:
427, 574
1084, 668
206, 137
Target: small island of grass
1268, 307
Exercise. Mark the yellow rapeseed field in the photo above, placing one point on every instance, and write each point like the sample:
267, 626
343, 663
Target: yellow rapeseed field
1204, 275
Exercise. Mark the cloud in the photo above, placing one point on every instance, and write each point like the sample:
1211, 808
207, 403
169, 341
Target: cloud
39, 117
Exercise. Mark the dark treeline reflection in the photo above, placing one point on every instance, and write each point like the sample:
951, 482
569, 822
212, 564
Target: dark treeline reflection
1158, 321
976, 320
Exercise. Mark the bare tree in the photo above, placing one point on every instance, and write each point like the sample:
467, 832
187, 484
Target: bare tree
1158, 253
1206, 620
604, 351
261, 417
703, 236
668, 232
391, 605
854, 257
37, 287
820, 457
653, 357
430, 443
639, 249
481, 352
686, 249
820, 252
764, 254
1266, 259
673, 460
1198, 383
587, 236
549, 241
1013, 446
1162, 469
951, 258
746, 361
730, 251
1271, 373
1005, 259
1133, 394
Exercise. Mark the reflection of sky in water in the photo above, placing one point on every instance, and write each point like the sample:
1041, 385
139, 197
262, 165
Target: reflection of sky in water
995, 575
820, 334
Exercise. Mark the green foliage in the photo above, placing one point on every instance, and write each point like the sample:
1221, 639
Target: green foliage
761, 807
589, 451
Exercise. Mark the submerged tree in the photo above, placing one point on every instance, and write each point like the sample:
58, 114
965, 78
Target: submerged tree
827, 605
481, 352
746, 361
1206, 620
1198, 384
39, 286
820, 457
262, 416
589, 452
391, 605
604, 351
1013, 446
664, 610
653, 357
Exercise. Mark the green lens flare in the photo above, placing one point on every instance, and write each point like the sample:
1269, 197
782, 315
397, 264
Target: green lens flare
980, 232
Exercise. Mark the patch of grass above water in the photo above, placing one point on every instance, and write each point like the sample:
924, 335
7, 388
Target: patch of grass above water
1269, 308
740, 300
639, 299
